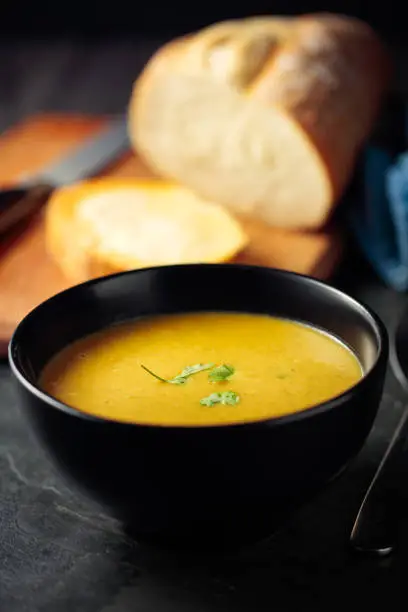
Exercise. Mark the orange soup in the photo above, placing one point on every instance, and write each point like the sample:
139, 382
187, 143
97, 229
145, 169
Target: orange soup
201, 369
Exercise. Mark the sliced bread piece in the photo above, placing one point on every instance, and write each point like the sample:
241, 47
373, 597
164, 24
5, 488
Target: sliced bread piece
109, 225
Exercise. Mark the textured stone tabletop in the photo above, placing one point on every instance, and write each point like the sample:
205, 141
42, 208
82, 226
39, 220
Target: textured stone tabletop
58, 554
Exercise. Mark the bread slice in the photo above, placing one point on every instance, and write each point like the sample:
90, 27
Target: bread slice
263, 115
110, 225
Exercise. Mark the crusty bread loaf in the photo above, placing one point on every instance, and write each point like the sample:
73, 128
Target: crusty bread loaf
265, 115
110, 225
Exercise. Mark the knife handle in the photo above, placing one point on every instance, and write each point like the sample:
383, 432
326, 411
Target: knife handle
20, 203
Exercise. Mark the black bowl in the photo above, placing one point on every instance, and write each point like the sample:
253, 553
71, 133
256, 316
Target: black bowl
215, 486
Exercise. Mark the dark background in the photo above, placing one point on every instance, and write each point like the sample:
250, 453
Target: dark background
122, 17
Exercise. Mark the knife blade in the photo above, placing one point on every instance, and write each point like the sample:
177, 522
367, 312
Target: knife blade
85, 161
90, 157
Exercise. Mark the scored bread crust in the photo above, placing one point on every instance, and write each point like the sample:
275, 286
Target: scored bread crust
264, 115
109, 225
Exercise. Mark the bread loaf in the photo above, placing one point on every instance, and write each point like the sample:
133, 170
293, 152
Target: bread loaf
104, 226
264, 115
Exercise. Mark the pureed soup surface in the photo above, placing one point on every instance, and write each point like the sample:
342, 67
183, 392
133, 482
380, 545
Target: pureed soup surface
278, 366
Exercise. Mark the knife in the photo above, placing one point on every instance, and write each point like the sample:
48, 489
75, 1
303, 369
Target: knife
87, 160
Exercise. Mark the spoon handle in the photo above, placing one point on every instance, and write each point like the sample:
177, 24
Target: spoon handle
19, 204
375, 528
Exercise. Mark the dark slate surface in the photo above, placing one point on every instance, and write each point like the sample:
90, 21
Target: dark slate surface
59, 554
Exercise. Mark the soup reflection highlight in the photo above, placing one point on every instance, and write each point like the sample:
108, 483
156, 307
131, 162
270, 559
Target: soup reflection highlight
218, 367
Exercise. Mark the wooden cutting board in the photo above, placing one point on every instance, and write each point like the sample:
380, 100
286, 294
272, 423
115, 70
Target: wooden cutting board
28, 276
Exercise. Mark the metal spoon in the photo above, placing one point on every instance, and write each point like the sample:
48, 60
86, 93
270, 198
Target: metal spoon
376, 527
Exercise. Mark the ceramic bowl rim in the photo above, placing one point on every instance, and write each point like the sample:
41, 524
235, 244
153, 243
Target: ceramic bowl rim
314, 410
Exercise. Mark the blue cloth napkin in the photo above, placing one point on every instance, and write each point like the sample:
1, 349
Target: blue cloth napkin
381, 222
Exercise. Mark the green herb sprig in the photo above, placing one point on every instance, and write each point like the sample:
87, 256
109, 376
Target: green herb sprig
229, 398
221, 373
217, 374
181, 379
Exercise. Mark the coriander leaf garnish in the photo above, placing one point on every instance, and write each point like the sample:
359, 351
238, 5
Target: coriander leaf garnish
181, 378
221, 373
153, 374
194, 369
229, 398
